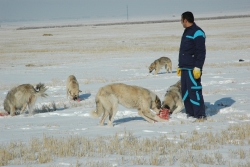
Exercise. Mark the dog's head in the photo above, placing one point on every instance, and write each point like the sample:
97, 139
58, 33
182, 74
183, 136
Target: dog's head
165, 106
74, 94
151, 67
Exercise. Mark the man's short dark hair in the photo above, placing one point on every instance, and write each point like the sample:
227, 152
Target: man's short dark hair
188, 16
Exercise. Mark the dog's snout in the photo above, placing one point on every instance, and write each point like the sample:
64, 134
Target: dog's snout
166, 106
74, 98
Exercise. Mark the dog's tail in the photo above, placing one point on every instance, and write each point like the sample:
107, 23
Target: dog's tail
40, 90
95, 113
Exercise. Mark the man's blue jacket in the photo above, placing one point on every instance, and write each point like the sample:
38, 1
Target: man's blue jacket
192, 49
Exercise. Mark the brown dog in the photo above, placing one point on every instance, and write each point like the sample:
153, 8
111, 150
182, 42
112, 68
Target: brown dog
159, 63
72, 88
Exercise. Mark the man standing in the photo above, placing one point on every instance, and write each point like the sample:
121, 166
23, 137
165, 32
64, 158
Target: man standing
192, 55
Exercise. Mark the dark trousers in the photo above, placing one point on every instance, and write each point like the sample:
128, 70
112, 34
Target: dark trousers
192, 94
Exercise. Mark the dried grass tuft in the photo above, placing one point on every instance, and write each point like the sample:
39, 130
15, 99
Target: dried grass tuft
193, 149
47, 35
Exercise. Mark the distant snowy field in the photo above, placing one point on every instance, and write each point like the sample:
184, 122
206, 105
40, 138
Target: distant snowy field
100, 55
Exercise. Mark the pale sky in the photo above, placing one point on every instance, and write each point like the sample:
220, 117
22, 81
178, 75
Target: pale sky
39, 10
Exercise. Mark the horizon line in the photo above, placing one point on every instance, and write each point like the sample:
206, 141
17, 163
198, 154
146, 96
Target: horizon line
132, 22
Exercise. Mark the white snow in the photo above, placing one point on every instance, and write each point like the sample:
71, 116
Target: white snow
101, 55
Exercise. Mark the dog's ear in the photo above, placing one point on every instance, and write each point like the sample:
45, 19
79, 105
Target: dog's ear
80, 91
157, 102
157, 99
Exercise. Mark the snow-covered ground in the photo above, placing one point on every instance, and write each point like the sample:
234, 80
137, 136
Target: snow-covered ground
100, 55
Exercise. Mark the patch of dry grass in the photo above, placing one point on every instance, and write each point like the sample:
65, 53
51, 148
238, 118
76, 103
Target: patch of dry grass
56, 82
39, 65
241, 117
94, 80
47, 35
96, 45
109, 80
225, 90
7, 86
217, 91
54, 106
229, 36
128, 149
228, 64
223, 47
116, 39
46, 108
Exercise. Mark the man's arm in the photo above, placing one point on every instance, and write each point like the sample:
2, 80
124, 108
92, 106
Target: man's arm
200, 48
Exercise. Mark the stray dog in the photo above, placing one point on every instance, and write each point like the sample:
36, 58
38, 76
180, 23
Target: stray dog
72, 88
173, 98
19, 97
159, 63
109, 96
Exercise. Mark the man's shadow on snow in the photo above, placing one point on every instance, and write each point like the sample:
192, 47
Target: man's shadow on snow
213, 109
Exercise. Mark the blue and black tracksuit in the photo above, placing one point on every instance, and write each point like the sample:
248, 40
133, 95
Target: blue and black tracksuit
192, 54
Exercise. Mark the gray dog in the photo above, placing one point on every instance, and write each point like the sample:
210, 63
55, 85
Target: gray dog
173, 99
109, 96
19, 97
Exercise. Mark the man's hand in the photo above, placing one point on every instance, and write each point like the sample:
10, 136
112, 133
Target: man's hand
197, 73
178, 72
